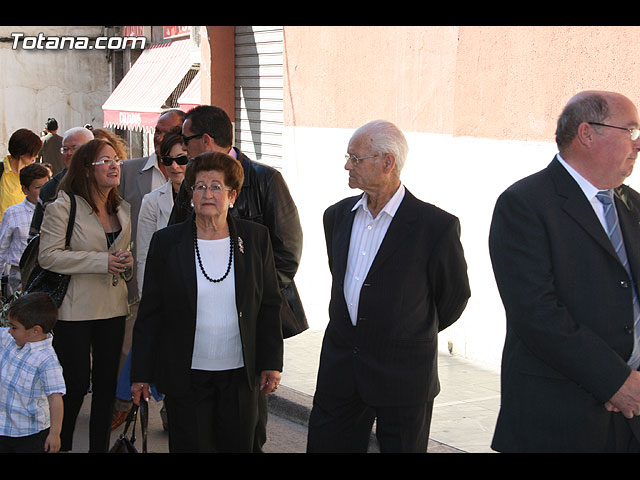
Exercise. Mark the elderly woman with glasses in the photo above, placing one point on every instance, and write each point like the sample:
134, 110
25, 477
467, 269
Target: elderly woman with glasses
208, 331
88, 335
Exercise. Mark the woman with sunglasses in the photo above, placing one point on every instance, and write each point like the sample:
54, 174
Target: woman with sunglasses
156, 206
91, 320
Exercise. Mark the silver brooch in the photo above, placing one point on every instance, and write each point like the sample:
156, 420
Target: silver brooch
240, 245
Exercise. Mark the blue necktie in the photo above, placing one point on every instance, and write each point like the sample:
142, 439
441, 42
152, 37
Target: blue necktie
615, 235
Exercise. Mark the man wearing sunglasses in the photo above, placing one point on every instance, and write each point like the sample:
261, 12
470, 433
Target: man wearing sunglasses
264, 198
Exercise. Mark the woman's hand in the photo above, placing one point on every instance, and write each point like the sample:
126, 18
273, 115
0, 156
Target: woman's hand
269, 381
120, 261
140, 390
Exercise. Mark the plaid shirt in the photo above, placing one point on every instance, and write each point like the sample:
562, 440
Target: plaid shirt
28, 375
14, 230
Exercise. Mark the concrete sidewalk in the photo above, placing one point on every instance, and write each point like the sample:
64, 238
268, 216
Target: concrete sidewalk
464, 413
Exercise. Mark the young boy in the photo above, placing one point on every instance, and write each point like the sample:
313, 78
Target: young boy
14, 228
31, 381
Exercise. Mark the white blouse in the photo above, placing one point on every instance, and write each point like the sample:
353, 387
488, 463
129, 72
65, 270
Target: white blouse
217, 344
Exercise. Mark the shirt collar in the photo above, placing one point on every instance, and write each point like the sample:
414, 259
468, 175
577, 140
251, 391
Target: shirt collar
587, 187
33, 346
28, 205
152, 161
390, 207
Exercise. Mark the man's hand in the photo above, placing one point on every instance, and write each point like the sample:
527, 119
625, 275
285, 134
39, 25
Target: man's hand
627, 399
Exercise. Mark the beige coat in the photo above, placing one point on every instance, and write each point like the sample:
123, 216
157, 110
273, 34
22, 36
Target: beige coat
91, 294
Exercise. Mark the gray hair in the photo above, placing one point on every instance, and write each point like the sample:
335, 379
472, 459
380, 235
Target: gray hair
386, 138
80, 132
584, 107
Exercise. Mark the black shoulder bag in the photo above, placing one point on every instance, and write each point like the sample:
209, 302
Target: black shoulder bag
36, 278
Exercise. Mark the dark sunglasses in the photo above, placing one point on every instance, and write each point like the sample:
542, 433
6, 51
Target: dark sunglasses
180, 160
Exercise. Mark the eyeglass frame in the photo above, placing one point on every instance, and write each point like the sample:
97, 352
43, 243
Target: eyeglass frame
215, 188
108, 162
72, 148
355, 160
166, 158
632, 131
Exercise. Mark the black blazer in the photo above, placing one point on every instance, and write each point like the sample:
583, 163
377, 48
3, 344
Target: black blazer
568, 303
416, 287
164, 331
265, 198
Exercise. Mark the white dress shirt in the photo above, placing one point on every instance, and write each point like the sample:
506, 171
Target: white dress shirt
588, 189
157, 178
367, 235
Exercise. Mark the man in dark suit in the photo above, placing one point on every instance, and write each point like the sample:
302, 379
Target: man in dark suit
569, 368
399, 278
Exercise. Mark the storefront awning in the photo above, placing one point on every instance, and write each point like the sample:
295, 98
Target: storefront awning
143, 93
191, 96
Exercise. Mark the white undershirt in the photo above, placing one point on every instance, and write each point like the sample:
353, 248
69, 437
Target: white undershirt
217, 344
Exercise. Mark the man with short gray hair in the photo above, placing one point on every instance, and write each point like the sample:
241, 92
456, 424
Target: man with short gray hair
399, 278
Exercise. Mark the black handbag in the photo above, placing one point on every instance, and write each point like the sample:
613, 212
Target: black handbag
36, 278
125, 444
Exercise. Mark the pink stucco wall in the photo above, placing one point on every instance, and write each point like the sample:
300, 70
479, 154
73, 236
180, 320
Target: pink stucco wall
490, 82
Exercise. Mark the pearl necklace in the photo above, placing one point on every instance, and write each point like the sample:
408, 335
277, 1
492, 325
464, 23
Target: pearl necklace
195, 244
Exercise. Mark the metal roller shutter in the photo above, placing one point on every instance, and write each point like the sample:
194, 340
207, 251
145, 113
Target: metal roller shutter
258, 93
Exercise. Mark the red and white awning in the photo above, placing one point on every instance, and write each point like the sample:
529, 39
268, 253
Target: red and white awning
140, 97
191, 96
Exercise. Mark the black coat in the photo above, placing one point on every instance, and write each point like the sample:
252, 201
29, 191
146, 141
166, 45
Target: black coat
416, 287
163, 335
265, 199
568, 303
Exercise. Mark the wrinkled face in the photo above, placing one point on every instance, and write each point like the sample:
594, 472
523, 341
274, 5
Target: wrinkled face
615, 151
366, 173
214, 200
69, 145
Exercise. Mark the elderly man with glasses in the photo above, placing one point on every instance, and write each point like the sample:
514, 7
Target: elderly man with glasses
72, 139
399, 277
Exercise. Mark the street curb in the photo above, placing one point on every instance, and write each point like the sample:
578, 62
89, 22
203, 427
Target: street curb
296, 406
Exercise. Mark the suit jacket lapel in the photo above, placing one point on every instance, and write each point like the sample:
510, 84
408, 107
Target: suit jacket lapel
578, 207
342, 238
239, 261
165, 203
400, 228
185, 256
